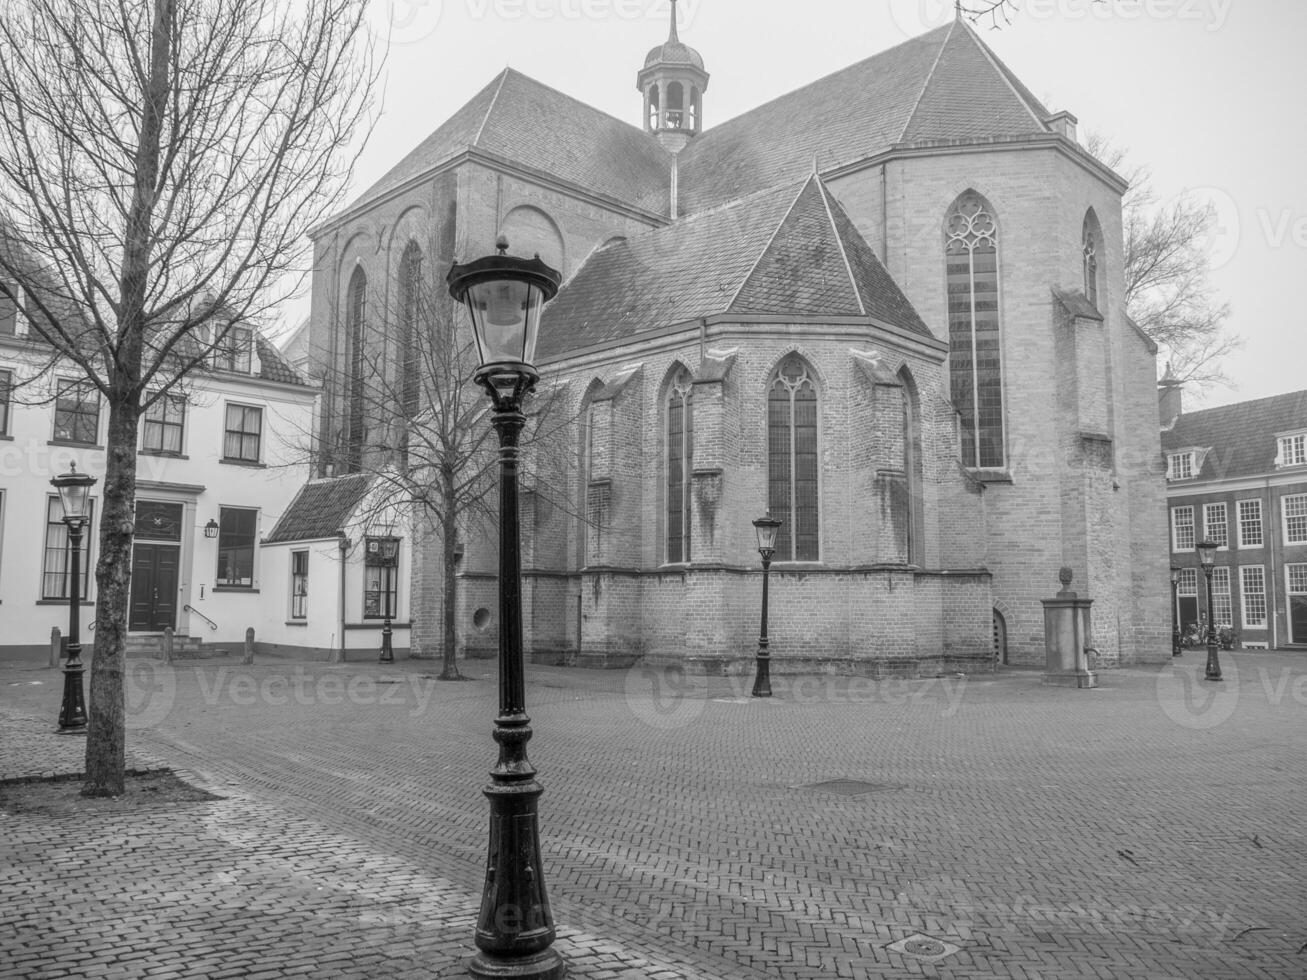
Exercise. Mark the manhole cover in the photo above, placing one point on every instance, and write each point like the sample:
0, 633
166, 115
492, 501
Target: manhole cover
923, 947
850, 787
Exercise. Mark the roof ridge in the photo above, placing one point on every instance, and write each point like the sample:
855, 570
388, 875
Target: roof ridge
839, 240
494, 101
762, 253
586, 105
907, 125
1246, 403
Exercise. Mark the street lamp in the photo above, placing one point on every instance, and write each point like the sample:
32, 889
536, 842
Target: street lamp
1175, 614
766, 527
515, 930
389, 552
1207, 557
211, 529
74, 494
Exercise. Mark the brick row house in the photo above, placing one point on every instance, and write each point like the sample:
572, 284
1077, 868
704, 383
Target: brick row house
1237, 475
887, 307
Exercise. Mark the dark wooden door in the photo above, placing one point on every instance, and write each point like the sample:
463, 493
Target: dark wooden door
154, 587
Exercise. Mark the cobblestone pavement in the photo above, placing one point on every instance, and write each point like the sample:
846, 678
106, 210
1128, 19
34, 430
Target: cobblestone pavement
970, 827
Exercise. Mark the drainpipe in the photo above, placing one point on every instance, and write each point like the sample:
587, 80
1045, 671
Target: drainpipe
344, 554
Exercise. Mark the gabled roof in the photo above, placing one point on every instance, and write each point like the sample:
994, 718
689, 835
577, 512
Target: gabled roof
788, 251
1241, 437
519, 119
945, 84
321, 509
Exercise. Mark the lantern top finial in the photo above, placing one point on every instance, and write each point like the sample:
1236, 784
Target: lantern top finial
501, 243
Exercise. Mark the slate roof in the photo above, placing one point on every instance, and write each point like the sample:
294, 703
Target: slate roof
788, 251
1241, 437
520, 119
927, 88
320, 509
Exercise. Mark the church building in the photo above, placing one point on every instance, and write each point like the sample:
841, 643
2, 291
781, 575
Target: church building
887, 308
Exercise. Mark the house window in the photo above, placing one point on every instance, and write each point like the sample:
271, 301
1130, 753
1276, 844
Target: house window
380, 577
237, 527
792, 460
162, 431
56, 570
241, 439
1250, 524
1216, 524
1182, 529
1295, 519
76, 411
1090, 238
232, 351
6, 390
1296, 578
1222, 607
8, 310
1252, 590
680, 447
1188, 584
975, 358
1180, 466
1293, 450
299, 584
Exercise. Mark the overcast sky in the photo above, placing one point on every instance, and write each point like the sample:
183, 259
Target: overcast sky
1206, 92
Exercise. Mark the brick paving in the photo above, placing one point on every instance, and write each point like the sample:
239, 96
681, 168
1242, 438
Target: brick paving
1153, 827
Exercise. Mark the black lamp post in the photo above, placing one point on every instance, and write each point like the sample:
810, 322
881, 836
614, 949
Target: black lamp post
1175, 611
74, 493
515, 930
766, 527
1207, 556
389, 553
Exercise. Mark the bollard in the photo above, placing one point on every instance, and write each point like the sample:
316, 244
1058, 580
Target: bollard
167, 644
56, 646
249, 646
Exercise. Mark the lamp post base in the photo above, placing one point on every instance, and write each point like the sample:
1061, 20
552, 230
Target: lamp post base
1213, 664
762, 677
387, 652
545, 965
72, 712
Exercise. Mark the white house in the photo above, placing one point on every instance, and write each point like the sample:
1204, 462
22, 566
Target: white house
219, 461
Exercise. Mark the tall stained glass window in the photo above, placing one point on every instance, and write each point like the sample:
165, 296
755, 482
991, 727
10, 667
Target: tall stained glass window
792, 460
356, 323
680, 450
975, 358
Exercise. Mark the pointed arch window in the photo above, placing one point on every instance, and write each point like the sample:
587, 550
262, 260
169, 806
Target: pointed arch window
975, 356
680, 452
356, 328
792, 459
410, 302
1091, 238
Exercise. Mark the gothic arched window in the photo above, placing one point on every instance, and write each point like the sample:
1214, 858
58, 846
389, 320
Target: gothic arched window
975, 355
356, 330
410, 305
792, 459
680, 452
1092, 238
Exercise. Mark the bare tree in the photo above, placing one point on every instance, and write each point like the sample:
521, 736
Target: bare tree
996, 13
1168, 289
414, 421
160, 164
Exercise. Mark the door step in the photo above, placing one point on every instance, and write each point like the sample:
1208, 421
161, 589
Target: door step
183, 647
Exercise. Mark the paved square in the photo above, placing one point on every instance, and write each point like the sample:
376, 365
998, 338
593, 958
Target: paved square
1153, 827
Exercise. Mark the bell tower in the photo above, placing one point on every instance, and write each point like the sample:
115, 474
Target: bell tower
672, 82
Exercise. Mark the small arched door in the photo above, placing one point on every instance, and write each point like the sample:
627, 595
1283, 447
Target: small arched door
1000, 638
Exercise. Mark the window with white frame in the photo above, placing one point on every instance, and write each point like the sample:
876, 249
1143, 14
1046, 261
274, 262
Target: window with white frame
1295, 519
1188, 584
1252, 592
161, 426
232, 351
8, 309
1182, 529
1180, 466
241, 437
6, 387
57, 566
1216, 524
1222, 606
299, 585
1250, 524
76, 411
1293, 450
237, 530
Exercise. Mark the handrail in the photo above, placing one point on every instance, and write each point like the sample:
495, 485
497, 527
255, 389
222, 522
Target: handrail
189, 608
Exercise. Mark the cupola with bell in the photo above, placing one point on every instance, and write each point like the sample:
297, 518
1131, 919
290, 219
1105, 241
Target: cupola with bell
673, 82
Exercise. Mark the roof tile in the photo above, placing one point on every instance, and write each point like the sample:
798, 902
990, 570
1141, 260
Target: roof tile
1241, 437
320, 509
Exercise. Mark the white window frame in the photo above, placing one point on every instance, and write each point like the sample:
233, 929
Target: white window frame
1246, 591
304, 615
1284, 517
1244, 541
1208, 510
1291, 450
1174, 468
1188, 584
1193, 529
244, 406
1222, 610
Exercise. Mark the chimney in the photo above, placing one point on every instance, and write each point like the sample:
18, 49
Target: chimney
1169, 395
1064, 124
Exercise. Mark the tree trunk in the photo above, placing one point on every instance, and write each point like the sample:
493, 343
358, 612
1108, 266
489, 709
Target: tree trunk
449, 583
105, 755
